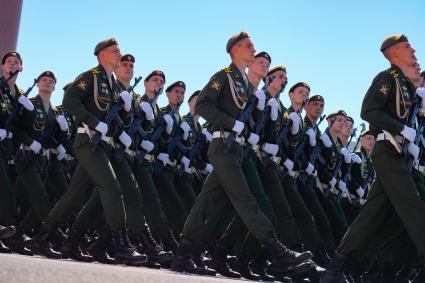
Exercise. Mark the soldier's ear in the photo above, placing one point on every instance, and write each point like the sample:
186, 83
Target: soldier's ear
20, 68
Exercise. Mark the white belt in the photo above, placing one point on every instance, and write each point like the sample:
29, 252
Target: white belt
219, 135
382, 137
42, 152
90, 133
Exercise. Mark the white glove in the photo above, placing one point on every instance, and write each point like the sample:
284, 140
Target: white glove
208, 168
355, 158
26, 103
169, 122
207, 134
35, 146
186, 128
310, 169
332, 182
63, 123
147, 109
342, 187
346, 154
420, 91
185, 161
125, 139
261, 99
164, 157
360, 192
311, 136
102, 128
270, 148
238, 127
147, 145
127, 98
274, 108
408, 133
3, 134
326, 140
296, 120
253, 139
61, 152
289, 164
413, 149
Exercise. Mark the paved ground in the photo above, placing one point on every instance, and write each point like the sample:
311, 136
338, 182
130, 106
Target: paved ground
25, 269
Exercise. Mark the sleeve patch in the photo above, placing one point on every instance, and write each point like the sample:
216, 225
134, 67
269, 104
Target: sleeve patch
82, 84
216, 85
384, 88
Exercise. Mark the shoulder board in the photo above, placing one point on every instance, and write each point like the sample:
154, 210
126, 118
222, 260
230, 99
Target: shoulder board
21, 91
95, 71
60, 108
164, 109
394, 73
227, 70
54, 108
33, 99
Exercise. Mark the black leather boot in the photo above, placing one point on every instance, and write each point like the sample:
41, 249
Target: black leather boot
219, 262
183, 263
41, 245
124, 252
151, 248
71, 248
169, 243
19, 243
99, 249
259, 266
7, 232
242, 265
335, 271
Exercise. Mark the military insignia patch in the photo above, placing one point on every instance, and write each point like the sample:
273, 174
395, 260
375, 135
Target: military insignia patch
216, 85
227, 70
95, 71
384, 89
394, 73
82, 85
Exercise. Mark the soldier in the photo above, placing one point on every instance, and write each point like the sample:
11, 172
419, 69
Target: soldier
89, 98
346, 132
10, 98
386, 107
166, 161
143, 169
220, 103
38, 131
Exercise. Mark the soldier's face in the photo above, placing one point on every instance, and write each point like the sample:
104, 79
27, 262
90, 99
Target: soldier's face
367, 142
413, 72
154, 83
299, 94
314, 109
125, 71
348, 128
175, 95
405, 52
260, 67
111, 55
192, 103
280, 77
46, 84
245, 51
11, 64
339, 123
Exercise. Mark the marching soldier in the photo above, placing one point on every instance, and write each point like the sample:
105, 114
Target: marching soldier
89, 98
220, 103
387, 107
10, 98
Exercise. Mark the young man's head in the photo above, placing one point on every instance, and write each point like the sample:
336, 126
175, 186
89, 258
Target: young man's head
397, 49
261, 64
155, 81
192, 101
299, 92
10, 63
347, 130
46, 83
125, 70
367, 141
276, 79
315, 106
241, 48
108, 53
175, 93
339, 121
